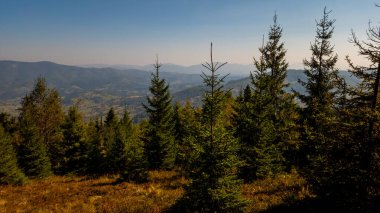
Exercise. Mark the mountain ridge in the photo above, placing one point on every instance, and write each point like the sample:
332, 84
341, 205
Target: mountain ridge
233, 69
98, 89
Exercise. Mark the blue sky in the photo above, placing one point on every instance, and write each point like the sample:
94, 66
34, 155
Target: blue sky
133, 31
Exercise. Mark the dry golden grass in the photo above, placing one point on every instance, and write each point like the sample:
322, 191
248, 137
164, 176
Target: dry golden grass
80, 194
270, 192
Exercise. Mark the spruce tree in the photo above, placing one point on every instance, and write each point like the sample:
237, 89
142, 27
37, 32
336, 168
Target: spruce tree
363, 115
32, 152
322, 75
10, 173
285, 113
266, 115
128, 152
159, 137
187, 123
118, 148
111, 119
213, 184
266, 155
74, 142
242, 116
318, 114
111, 126
243, 122
96, 150
331, 164
45, 106
263, 155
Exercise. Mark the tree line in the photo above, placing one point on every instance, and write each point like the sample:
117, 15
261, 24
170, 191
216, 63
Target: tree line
330, 134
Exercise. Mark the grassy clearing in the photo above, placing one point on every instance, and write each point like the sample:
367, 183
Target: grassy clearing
81, 194
285, 189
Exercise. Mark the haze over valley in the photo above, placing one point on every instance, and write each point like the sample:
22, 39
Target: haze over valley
96, 89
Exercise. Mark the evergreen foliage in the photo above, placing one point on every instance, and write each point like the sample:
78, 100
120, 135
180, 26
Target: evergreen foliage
318, 115
97, 152
285, 112
118, 147
332, 165
111, 126
242, 116
187, 124
177, 129
44, 105
111, 119
243, 123
128, 152
266, 115
333, 136
322, 75
8, 122
33, 157
214, 186
363, 115
159, 138
74, 142
10, 173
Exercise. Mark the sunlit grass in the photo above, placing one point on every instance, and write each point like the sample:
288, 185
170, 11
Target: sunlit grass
83, 194
270, 192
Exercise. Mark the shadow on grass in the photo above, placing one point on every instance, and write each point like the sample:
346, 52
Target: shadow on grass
112, 183
315, 205
171, 182
279, 190
165, 179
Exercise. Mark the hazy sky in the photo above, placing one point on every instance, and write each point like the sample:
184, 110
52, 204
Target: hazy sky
133, 31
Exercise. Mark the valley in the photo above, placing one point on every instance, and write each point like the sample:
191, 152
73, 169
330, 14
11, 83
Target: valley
96, 89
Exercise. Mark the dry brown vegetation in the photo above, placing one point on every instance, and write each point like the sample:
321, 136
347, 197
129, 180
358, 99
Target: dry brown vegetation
82, 194
270, 192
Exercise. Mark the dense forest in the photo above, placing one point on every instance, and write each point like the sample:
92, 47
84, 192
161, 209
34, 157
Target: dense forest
328, 135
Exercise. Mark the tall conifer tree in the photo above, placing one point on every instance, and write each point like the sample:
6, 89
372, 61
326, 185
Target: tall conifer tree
45, 106
265, 157
322, 75
330, 167
266, 114
111, 126
363, 113
159, 137
285, 110
33, 157
214, 185
74, 142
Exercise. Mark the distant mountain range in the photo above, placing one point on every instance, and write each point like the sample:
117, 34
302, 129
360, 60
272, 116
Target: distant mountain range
235, 70
236, 85
96, 89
